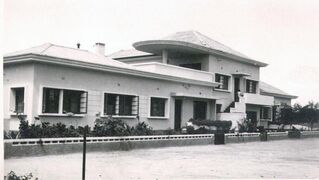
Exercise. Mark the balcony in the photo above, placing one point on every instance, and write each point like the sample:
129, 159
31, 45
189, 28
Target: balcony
258, 99
176, 71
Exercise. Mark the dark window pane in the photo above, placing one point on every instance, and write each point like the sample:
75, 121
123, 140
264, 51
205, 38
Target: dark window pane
251, 86
110, 106
71, 101
200, 109
196, 66
218, 108
125, 105
158, 107
50, 100
19, 101
222, 79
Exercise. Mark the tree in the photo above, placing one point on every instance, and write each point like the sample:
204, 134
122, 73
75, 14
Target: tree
310, 113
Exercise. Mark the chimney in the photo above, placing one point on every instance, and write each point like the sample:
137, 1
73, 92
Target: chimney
100, 48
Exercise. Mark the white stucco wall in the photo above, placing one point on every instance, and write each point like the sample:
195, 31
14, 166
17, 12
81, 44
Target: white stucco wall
17, 76
96, 83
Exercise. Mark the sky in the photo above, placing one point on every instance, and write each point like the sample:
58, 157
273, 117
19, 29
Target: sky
282, 33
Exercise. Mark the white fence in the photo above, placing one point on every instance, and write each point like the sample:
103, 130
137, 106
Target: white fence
305, 133
278, 133
48, 141
230, 135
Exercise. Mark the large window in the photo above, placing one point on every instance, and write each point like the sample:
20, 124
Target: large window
123, 105
158, 107
265, 113
62, 101
251, 86
223, 79
200, 110
196, 66
18, 100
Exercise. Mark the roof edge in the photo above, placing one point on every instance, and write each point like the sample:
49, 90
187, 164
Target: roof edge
197, 47
288, 96
75, 63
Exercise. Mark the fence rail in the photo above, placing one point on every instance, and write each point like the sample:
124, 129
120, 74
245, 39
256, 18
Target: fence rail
309, 132
278, 133
242, 135
48, 141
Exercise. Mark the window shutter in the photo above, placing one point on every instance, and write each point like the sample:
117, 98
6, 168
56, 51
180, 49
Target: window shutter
135, 105
83, 102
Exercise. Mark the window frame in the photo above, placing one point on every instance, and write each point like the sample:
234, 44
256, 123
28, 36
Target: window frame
118, 115
228, 82
60, 106
12, 101
269, 113
166, 111
256, 86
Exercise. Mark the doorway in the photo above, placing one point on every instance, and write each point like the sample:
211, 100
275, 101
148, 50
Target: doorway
178, 114
236, 89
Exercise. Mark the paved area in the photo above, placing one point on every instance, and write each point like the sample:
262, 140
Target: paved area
273, 159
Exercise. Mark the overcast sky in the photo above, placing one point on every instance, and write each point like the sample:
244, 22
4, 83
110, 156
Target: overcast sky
284, 34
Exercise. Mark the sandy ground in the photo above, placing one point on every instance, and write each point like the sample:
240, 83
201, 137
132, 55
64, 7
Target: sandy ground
275, 159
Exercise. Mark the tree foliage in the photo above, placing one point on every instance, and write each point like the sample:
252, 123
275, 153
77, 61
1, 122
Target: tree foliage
298, 114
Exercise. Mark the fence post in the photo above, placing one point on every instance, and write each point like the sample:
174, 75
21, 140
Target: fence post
84, 152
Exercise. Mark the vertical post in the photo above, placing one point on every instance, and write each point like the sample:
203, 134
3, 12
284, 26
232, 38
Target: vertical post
164, 56
84, 153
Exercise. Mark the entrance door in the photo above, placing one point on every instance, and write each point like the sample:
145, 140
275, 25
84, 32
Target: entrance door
252, 117
236, 89
178, 114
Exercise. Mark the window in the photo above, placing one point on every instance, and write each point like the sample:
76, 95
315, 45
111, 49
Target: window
62, 101
200, 110
196, 66
223, 80
265, 113
251, 86
18, 100
123, 105
158, 106
218, 108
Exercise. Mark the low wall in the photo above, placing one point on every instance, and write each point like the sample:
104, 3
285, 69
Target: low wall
277, 135
46, 146
309, 134
241, 137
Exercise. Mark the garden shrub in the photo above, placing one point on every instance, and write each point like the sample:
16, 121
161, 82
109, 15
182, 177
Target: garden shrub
111, 127
13, 176
221, 126
246, 126
142, 129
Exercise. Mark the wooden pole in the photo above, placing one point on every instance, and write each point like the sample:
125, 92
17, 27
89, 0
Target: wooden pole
84, 153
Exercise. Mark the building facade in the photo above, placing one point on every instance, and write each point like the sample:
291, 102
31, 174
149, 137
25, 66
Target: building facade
162, 82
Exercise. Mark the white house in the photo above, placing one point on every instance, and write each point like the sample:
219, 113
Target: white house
163, 82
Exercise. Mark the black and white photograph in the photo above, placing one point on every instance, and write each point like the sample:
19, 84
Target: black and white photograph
157, 90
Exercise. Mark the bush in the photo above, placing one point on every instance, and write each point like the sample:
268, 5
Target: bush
45, 130
142, 129
111, 127
12, 176
246, 126
221, 126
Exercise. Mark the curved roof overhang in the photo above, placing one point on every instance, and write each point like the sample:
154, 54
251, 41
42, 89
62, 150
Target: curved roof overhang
157, 46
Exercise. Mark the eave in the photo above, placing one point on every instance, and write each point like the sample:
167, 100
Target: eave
155, 46
101, 67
